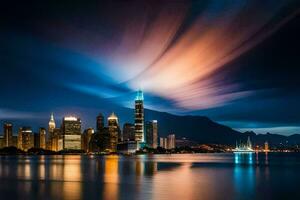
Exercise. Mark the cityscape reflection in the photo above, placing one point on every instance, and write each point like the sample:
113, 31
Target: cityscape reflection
147, 177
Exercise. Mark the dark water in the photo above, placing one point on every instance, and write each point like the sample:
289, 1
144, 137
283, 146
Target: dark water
197, 176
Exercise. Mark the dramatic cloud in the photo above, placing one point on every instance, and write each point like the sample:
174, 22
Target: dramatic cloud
171, 53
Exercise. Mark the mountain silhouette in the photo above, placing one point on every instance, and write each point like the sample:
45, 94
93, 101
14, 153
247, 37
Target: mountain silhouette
203, 130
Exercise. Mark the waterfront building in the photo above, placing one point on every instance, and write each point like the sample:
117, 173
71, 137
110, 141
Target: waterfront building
99, 122
163, 142
71, 133
128, 132
50, 137
56, 136
127, 147
8, 135
2, 141
113, 127
139, 117
151, 133
171, 141
87, 135
25, 138
42, 137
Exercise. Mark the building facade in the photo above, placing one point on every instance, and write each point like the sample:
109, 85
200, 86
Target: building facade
151, 133
25, 138
128, 132
171, 141
42, 138
87, 136
99, 122
8, 135
139, 117
71, 133
113, 127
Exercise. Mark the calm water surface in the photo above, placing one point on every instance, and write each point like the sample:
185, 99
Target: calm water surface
189, 176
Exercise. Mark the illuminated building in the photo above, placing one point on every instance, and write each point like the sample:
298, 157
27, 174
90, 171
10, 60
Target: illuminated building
87, 135
266, 147
128, 147
51, 127
139, 117
163, 143
51, 123
42, 137
114, 130
8, 135
100, 122
56, 137
71, 133
171, 142
241, 147
151, 133
25, 138
1, 141
128, 132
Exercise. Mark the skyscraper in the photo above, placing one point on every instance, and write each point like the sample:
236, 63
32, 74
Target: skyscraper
163, 143
8, 135
171, 141
151, 133
87, 135
42, 138
139, 117
113, 128
50, 143
71, 132
128, 132
25, 138
100, 122
51, 123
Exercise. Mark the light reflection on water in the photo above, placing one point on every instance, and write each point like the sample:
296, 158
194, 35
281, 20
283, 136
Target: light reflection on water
189, 176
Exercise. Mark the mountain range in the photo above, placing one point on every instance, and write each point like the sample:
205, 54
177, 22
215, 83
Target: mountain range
203, 130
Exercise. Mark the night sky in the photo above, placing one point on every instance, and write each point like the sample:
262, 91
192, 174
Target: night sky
236, 62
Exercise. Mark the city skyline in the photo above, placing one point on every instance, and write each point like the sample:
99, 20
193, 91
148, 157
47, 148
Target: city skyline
96, 63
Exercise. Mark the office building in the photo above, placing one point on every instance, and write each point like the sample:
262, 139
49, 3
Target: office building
151, 133
8, 135
163, 142
139, 117
128, 132
50, 137
99, 122
42, 138
171, 141
114, 130
87, 136
127, 147
25, 138
71, 133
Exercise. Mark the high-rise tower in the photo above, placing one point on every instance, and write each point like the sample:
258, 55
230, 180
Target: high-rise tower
51, 123
71, 130
8, 135
113, 127
151, 133
100, 122
139, 117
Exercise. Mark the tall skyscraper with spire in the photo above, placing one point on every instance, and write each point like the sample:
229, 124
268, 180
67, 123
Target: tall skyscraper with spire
139, 117
51, 124
50, 139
